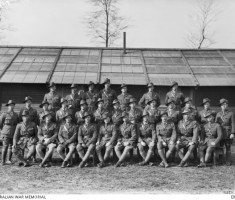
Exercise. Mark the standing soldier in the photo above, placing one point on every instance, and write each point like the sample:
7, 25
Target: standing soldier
134, 113
187, 138
124, 97
210, 138
91, 97
226, 119
108, 95
32, 112
127, 140
53, 98
25, 137
62, 112
8, 122
153, 112
45, 105
203, 113
99, 113
173, 114
87, 137
167, 136
73, 98
80, 114
193, 114
150, 95
146, 140
176, 95
117, 113
47, 134
67, 140
106, 140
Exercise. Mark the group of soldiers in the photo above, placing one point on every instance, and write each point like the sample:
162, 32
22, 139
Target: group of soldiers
102, 123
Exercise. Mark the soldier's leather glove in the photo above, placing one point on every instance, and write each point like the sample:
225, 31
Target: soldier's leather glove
107, 144
126, 143
231, 136
213, 143
152, 144
164, 143
143, 143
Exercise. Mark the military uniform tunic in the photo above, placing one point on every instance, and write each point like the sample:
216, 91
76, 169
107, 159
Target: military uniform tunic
128, 133
202, 114
173, 116
60, 115
135, 114
211, 132
154, 115
68, 134
79, 117
124, 99
188, 132
178, 98
53, 99
87, 134
227, 122
108, 97
48, 132
116, 117
107, 134
41, 114
91, 98
148, 96
147, 133
74, 101
166, 132
25, 135
33, 115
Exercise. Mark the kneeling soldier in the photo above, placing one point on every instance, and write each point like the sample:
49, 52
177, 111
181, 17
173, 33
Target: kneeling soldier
87, 137
166, 134
147, 139
127, 139
210, 138
106, 139
67, 140
47, 134
188, 137
25, 137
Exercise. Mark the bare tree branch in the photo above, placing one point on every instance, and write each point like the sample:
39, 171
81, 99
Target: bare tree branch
104, 23
201, 35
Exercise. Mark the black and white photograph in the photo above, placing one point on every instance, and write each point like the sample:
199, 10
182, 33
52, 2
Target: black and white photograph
117, 97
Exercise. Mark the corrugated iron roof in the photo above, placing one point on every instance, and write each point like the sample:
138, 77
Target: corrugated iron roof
68, 65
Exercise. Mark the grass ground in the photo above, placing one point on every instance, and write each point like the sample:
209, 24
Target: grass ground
129, 179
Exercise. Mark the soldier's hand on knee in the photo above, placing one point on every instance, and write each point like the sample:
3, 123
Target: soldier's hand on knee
190, 143
152, 144
212, 143
231, 136
143, 143
164, 143
83, 145
171, 142
126, 143
97, 143
178, 142
107, 144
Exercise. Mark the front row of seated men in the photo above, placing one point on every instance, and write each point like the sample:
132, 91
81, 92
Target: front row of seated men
166, 136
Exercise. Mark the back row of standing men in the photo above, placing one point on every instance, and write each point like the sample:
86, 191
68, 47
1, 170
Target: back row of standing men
119, 123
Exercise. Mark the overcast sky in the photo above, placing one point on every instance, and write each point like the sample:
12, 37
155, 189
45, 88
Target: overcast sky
154, 23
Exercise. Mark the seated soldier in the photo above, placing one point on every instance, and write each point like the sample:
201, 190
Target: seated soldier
206, 109
67, 140
117, 113
47, 134
166, 134
106, 140
87, 137
25, 137
187, 138
226, 120
152, 110
173, 114
146, 140
8, 123
127, 139
134, 112
62, 112
91, 97
45, 106
79, 114
210, 137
